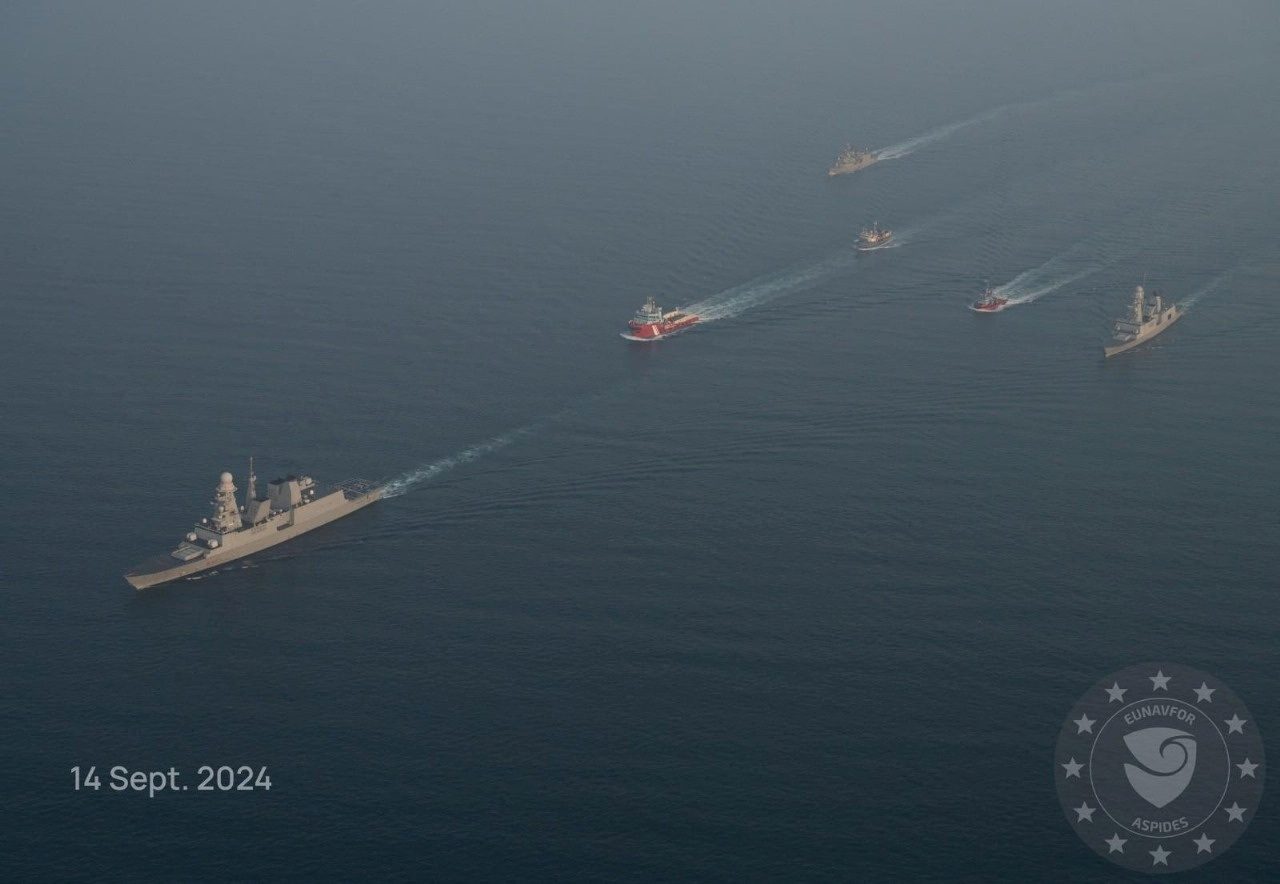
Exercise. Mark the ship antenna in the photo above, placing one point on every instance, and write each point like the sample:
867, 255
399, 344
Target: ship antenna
251, 487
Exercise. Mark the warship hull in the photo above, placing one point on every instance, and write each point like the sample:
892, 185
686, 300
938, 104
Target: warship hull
254, 539
1140, 339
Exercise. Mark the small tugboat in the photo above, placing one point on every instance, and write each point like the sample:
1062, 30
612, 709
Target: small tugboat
851, 160
989, 302
650, 323
874, 237
1146, 319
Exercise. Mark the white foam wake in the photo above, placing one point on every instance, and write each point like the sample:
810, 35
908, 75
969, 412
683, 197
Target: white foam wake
404, 482
1206, 289
741, 298
1077, 262
401, 484
1034, 284
911, 145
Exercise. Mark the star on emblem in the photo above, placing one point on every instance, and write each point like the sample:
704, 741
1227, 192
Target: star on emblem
1204, 693
1235, 724
1115, 844
1204, 844
1084, 812
1159, 681
1235, 813
1073, 768
1116, 693
1160, 856
1084, 724
1247, 768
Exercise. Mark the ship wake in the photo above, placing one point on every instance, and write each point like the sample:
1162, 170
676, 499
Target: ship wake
1207, 289
1035, 284
763, 289
911, 145
1074, 264
933, 136
406, 481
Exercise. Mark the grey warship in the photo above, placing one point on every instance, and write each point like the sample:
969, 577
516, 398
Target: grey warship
294, 505
1146, 319
852, 160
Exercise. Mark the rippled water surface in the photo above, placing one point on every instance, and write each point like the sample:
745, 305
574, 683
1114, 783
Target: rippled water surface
802, 592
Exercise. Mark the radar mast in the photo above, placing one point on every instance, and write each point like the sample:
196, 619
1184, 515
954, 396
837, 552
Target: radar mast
251, 490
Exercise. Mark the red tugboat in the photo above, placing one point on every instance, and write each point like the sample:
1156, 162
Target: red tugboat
990, 302
650, 323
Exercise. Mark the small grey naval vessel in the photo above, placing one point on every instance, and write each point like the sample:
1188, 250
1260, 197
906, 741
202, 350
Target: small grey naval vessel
851, 160
293, 506
1146, 319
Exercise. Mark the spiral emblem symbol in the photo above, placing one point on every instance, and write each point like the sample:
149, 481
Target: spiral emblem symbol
1159, 767
1166, 760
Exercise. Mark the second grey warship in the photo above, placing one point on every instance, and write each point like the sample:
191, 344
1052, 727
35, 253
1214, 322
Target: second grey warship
1146, 319
293, 506
852, 160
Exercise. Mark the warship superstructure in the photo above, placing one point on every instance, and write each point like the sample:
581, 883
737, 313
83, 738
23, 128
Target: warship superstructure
294, 505
851, 160
1146, 319
874, 237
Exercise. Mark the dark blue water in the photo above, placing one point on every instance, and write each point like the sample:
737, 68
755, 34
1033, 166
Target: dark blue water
804, 592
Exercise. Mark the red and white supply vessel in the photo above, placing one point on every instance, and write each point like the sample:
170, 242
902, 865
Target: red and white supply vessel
990, 302
650, 323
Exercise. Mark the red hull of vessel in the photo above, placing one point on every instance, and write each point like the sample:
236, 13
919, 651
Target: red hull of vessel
653, 330
995, 307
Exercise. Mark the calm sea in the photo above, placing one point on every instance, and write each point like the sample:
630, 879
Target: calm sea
803, 593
